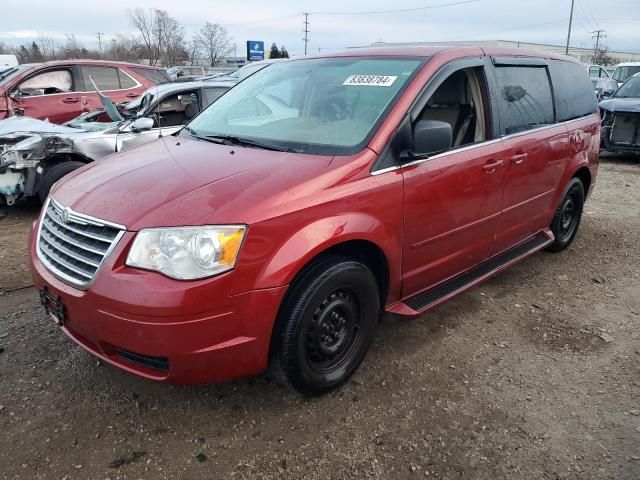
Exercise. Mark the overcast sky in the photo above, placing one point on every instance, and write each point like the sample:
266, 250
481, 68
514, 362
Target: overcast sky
524, 20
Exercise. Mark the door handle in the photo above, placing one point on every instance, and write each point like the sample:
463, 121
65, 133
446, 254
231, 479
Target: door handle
518, 159
491, 166
132, 95
71, 100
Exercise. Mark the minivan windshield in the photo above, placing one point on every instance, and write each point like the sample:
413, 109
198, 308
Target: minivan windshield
324, 105
630, 89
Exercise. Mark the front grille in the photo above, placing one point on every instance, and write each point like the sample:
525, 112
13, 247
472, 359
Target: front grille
625, 130
73, 245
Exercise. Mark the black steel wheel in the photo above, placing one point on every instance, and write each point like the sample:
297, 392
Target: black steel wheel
567, 218
326, 325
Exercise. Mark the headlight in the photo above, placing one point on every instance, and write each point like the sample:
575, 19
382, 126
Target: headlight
187, 253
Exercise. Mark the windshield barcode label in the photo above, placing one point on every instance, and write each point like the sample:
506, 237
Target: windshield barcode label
371, 80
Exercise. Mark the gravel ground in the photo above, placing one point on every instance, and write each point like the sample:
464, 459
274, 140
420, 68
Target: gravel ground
533, 374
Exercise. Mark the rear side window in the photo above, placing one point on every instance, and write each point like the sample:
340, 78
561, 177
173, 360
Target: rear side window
126, 81
573, 90
212, 94
105, 78
156, 76
524, 98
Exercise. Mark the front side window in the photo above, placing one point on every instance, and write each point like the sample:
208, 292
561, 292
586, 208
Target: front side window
329, 105
105, 78
524, 98
212, 94
459, 102
175, 109
47, 83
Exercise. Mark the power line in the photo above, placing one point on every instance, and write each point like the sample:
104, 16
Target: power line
306, 31
400, 10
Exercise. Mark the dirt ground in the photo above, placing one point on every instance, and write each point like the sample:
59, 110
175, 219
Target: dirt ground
532, 375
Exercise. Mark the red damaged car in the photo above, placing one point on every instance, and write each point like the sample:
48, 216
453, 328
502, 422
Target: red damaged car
61, 90
275, 228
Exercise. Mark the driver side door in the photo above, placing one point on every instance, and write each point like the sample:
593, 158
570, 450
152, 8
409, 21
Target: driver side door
452, 200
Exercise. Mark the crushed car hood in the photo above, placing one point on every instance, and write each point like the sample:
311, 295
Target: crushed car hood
32, 125
180, 181
621, 105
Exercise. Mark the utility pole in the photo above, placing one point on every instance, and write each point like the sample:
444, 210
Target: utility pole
99, 35
566, 50
306, 31
597, 34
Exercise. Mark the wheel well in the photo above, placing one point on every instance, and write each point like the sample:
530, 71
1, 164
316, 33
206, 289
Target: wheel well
584, 175
361, 250
369, 254
67, 157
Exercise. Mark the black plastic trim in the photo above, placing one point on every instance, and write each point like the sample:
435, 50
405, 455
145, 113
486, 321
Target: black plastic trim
427, 298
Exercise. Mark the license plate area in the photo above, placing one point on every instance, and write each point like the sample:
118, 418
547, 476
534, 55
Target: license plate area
53, 306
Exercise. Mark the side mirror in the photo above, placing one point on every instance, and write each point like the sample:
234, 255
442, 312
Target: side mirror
606, 93
141, 124
180, 73
430, 137
16, 95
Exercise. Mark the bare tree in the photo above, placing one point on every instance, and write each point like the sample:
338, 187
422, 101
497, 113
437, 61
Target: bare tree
602, 57
48, 46
144, 24
170, 38
125, 47
74, 48
214, 42
193, 50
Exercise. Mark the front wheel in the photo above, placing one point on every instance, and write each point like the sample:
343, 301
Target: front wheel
54, 173
326, 325
567, 218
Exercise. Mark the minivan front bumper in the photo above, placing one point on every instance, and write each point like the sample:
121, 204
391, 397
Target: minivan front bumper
162, 329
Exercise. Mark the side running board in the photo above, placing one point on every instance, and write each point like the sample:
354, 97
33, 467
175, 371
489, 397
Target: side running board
425, 300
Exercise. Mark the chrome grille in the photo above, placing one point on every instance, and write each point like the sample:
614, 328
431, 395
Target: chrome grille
73, 245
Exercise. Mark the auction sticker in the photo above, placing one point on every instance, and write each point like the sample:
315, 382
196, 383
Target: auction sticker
370, 80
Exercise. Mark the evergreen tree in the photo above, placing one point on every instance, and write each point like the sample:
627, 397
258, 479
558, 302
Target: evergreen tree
23, 54
284, 53
35, 55
274, 52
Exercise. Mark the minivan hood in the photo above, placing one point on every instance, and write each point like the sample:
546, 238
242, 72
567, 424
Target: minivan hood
181, 181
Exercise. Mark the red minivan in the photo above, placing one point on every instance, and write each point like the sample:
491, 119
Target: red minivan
277, 226
62, 90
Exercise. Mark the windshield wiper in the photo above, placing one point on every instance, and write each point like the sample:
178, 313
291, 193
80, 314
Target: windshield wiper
245, 142
195, 134
7, 72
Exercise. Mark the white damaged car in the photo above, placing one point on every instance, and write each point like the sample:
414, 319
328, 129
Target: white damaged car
34, 154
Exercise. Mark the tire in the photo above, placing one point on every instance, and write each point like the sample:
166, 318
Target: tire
326, 325
566, 220
54, 173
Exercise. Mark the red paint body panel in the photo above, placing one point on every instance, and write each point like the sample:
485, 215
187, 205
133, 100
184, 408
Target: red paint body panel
62, 107
432, 220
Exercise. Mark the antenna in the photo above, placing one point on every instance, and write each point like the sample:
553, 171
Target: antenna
158, 111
